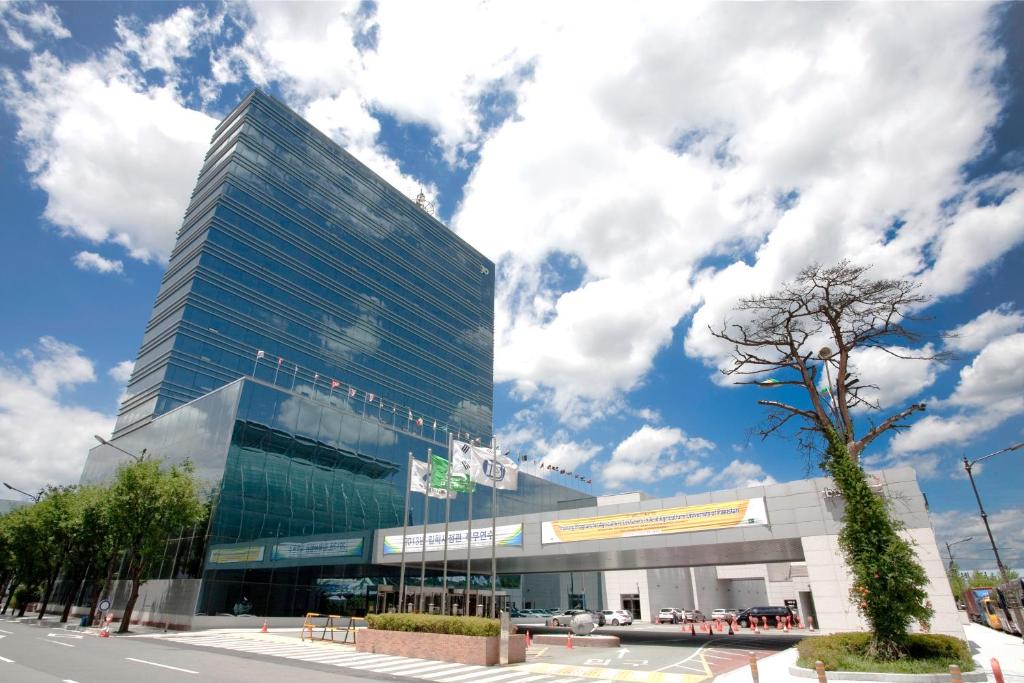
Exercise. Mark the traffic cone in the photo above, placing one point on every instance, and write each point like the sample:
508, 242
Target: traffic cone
810, 623
529, 640
785, 624
105, 632
264, 629
568, 641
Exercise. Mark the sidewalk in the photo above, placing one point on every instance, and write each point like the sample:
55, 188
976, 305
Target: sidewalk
985, 644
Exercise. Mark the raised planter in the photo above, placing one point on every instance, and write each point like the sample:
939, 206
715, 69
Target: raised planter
969, 677
479, 650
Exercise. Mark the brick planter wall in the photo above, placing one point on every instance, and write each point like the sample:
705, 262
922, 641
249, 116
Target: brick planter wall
479, 650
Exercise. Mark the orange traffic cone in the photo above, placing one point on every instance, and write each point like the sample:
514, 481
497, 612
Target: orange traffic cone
568, 641
264, 629
529, 640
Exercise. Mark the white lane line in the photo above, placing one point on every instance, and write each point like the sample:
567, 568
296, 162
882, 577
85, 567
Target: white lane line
4, 659
55, 642
462, 677
68, 680
162, 666
7, 632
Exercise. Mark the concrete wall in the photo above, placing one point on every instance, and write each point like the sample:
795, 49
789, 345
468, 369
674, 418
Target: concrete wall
166, 602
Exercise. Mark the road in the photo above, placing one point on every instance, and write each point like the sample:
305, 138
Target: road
33, 654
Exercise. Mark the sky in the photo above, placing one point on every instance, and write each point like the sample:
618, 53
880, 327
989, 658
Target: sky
632, 174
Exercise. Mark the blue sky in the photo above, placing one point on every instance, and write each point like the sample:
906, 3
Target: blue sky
632, 176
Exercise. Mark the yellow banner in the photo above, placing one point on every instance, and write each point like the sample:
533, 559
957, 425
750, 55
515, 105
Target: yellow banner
736, 513
249, 553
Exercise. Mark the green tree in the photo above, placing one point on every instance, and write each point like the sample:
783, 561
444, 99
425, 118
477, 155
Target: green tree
804, 340
957, 581
980, 579
148, 504
27, 544
90, 539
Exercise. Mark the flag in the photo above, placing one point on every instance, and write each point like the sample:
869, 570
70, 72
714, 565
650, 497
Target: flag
435, 424
410, 414
259, 354
351, 392
418, 481
369, 397
335, 384
316, 376
419, 421
439, 477
485, 466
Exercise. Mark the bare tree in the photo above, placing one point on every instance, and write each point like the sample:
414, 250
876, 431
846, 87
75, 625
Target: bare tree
813, 325
816, 325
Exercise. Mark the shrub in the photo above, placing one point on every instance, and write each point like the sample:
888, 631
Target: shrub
434, 623
926, 653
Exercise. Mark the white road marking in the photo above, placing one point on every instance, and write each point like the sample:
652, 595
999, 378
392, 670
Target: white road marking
76, 636
9, 661
7, 632
56, 642
162, 666
68, 680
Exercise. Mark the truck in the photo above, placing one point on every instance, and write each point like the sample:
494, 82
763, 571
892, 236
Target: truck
973, 598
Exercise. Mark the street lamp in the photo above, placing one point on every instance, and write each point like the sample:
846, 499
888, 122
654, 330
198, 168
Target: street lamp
136, 458
949, 550
969, 465
34, 498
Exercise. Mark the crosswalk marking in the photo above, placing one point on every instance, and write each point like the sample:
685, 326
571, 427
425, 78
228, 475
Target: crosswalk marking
345, 655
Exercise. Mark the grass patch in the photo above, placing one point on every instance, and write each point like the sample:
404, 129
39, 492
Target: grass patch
929, 653
435, 623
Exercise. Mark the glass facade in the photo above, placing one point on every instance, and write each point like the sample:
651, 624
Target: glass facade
314, 328
292, 247
299, 483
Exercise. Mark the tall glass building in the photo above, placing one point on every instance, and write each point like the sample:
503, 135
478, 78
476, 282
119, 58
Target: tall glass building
314, 328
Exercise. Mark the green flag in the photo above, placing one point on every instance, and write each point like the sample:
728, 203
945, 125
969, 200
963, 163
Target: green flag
439, 476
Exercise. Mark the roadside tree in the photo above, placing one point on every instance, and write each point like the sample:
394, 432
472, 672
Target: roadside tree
147, 504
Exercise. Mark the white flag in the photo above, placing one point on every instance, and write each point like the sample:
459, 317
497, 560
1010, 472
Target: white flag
485, 467
419, 482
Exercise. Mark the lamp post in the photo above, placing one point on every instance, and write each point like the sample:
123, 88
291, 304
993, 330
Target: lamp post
949, 550
136, 458
969, 466
35, 499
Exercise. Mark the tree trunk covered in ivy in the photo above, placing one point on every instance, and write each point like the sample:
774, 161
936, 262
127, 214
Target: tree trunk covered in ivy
888, 581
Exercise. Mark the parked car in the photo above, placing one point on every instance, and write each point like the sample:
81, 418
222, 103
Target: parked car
617, 617
693, 615
767, 611
565, 618
721, 614
668, 615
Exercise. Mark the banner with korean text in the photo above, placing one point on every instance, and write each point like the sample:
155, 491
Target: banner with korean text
338, 547
737, 513
508, 535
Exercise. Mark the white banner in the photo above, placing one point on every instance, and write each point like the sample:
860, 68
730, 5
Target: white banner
485, 467
338, 547
419, 482
509, 535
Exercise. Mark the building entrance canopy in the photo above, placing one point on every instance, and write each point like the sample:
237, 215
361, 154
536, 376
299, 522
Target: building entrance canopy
736, 526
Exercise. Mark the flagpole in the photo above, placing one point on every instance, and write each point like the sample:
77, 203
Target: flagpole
279, 361
469, 538
405, 531
447, 514
256, 362
494, 539
423, 552
295, 371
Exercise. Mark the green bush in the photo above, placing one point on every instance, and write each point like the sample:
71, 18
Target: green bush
435, 623
926, 653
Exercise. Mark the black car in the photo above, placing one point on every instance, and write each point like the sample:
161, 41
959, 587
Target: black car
771, 612
565, 618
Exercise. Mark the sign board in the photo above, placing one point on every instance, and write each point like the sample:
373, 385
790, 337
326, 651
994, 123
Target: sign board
508, 535
736, 513
791, 604
338, 547
104, 604
248, 553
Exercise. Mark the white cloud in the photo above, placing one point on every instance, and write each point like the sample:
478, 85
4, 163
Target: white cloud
975, 335
564, 453
117, 160
652, 453
643, 145
89, 260
44, 438
122, 372
40, 19
897, 379
926, 465
990, 391
954, 525
742, 474
162, 44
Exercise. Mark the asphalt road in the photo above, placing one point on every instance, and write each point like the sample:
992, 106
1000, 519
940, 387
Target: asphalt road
33, 654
